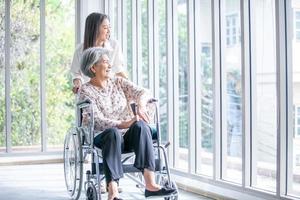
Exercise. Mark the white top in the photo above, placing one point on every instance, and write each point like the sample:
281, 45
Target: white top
115, 57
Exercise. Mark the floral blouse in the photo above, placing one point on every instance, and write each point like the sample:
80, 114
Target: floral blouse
111, 105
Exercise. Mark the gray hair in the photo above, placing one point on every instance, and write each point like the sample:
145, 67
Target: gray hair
90, 57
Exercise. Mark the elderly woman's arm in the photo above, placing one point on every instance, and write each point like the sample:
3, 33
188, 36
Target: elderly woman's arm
100, 122
138, 95
134, 93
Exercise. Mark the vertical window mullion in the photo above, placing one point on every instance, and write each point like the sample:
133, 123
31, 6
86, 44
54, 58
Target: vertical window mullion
119, 21
124, 30
7, 78
223, 91
150, 45
111, 15
155, 47
246, 88
134, 40
42, 77
191, 87
139, 67
290, 94
198, 126
175, 84
216, 88
106, 6
170, 111
78, 24
281, 184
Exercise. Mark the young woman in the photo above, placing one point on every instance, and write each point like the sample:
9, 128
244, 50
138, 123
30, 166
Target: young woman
97, 34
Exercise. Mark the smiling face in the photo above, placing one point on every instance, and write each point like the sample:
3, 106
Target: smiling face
102, 68
104, 31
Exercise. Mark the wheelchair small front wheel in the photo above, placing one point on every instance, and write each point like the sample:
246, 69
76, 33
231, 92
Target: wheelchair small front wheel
171, 198
91, 192
73, 163
173, 185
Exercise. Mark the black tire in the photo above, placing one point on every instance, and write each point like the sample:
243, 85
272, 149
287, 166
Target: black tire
91, 192
73, 163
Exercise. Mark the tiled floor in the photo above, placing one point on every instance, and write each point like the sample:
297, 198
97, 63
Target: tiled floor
46, 181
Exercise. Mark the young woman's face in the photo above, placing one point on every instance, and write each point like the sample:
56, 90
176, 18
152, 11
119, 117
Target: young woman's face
104, 32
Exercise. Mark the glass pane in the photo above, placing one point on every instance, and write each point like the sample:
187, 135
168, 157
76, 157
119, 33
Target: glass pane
2, 78
205, 89
114, 23
297, 13
183, 83
163, 68
232, 97
145, 46
129, 39
60, 100
298, 35
25, 75
264, 103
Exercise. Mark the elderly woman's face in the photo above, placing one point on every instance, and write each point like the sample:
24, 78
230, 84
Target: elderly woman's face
102, 68
104, 32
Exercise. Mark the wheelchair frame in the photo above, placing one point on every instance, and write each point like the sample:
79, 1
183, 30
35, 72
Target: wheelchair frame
79, 143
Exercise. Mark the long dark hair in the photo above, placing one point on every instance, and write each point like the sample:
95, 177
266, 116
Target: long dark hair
91, 31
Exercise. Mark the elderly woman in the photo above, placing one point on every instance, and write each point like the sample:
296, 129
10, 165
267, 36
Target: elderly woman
119, 130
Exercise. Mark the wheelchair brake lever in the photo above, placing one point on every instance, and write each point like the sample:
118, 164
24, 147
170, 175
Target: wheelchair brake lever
167, 144
134, 108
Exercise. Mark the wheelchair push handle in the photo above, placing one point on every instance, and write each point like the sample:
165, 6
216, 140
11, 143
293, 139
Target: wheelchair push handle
84, 103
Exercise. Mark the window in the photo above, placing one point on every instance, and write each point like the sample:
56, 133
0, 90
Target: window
263, 91
31, 78
231, 93
233, 31
297, 25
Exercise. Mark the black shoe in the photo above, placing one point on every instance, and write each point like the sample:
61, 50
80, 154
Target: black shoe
162, 192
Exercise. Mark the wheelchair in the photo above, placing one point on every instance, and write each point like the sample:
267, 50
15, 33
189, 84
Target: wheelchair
79, 150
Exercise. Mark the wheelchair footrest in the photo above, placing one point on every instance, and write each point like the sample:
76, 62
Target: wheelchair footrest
127, 168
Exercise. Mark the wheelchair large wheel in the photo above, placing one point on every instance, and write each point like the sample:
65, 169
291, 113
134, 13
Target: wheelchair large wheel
73, 163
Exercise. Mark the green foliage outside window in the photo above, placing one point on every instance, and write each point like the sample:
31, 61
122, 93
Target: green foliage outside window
25, 68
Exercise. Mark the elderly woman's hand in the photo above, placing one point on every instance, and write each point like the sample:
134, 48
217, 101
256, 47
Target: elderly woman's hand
127, 124
76, 85
143, 114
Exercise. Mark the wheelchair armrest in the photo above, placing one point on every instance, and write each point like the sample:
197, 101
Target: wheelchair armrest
152, 100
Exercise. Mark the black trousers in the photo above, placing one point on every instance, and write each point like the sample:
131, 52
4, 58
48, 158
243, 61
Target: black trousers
138, 138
